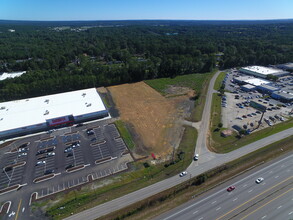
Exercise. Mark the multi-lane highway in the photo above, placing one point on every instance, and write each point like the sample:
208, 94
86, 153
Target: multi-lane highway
270, 199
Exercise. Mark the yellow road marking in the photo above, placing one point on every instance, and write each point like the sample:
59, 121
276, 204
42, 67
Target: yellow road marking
254, 197
266, 203
16, 216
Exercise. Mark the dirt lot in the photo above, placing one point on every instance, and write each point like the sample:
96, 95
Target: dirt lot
151, 116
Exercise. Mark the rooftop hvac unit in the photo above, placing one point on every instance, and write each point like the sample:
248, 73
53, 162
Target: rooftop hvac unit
88, 105
2, 108
47, 100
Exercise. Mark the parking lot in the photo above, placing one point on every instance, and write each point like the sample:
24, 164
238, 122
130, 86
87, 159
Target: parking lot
238, 113
67, 159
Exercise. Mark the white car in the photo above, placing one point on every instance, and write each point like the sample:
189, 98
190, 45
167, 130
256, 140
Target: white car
51, 154
195, 157
259, 180
22, 154
40, 162
183, 173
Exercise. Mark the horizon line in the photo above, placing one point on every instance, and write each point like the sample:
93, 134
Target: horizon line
163, 19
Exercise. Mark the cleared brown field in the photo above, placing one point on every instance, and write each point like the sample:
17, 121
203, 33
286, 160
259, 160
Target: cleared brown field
150, 114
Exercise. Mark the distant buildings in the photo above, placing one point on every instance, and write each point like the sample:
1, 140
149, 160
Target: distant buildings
262, 72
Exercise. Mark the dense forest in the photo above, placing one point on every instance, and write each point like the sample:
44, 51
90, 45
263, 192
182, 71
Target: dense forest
67, 56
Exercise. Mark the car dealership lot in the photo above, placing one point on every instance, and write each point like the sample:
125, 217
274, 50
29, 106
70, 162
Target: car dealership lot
46, 157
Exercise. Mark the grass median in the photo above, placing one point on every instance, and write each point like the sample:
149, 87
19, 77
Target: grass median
143, 174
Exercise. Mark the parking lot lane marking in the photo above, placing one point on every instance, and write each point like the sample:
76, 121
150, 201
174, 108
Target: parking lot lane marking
18, 208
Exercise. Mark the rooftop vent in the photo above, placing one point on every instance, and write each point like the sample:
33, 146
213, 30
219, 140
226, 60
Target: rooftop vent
2, 108
83, 94
47, 100
27, 100
88, 105
46, 112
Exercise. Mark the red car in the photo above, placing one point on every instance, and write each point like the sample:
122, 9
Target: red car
231, 188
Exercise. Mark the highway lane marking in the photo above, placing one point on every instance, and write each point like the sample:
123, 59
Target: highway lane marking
18, 208
263, 217
200, 218
235, 199
276, 177
221, 191
214, 202
218, 208
266, 203
290, 213
279, 207
254, 197
195, 212
244, 185
250, 191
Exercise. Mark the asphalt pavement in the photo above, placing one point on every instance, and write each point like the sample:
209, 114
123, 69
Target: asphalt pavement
249, 200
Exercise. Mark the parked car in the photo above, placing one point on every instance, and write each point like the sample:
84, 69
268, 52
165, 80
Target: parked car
50, 154
48, 172
22, 154
90, 132
41, 162
68, 149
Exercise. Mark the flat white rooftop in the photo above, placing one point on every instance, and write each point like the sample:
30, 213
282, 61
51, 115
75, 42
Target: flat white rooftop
256, 81
26, 112
262, 70
11, 75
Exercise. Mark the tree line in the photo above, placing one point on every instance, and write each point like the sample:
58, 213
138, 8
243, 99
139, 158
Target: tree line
65, 59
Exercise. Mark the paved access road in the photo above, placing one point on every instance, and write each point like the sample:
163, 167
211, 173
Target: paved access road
271, 198
207, 161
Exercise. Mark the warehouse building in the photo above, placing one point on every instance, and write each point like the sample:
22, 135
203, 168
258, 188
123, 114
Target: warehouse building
248, 88
242, 80
43, 113
268, 89
283, 96
263, 72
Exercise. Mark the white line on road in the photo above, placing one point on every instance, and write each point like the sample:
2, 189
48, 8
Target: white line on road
276, 177
195, 212
290, 213
218, 208
263, 217
244, 185
200, 218
279, 207
214, 202
250, 191
235, 199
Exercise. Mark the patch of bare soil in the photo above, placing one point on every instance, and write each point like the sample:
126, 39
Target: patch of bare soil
151, 117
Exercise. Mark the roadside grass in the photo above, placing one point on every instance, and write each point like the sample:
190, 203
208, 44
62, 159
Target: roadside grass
172, 198
220, 144
125, 134
219, 80
198, 82
77, 201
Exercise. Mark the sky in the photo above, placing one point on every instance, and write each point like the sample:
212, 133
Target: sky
54, 10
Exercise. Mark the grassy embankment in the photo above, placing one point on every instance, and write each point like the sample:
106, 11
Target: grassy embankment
198, 82
223, 145
171, 198
125, 134
76, 201
219, 80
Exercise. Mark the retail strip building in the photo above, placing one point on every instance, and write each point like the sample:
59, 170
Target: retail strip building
43, 113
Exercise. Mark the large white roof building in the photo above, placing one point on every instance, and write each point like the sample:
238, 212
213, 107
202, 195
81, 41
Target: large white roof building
263, 72
42, 113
